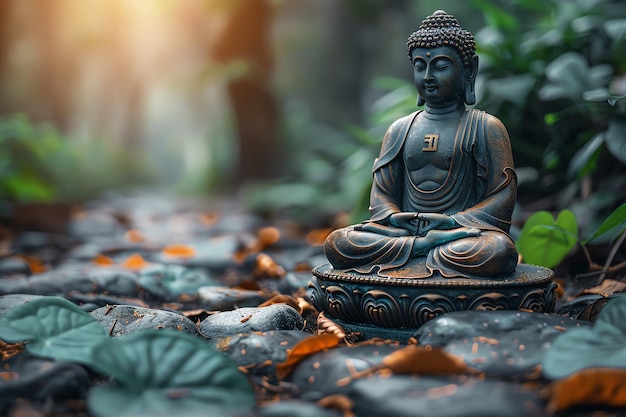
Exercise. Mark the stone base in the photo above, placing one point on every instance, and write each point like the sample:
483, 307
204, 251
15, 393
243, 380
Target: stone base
394, 307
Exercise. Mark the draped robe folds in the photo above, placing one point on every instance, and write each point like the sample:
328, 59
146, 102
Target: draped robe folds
479, 192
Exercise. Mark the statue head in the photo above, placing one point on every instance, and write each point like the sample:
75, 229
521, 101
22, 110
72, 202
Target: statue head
441, 30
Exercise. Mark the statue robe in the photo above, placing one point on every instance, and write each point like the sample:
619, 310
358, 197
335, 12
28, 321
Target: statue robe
479, 192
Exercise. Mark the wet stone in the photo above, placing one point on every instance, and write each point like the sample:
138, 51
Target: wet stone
293, 408
32, 377
9, 301
259, 353
120, 320
83, 280
442, 396
215, 254
225, 298
247, 320
586, 307
319, 375
13, 266
500, 343
92, 224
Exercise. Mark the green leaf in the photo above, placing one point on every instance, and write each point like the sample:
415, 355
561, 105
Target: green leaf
545, 241
600, 346
617, 219
167, 373
54, 327
584, 161
171, 281
616, 138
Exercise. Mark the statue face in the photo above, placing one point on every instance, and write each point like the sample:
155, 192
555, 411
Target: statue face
439, 75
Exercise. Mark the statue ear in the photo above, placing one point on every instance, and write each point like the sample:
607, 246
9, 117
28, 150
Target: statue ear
470, 82
420, 101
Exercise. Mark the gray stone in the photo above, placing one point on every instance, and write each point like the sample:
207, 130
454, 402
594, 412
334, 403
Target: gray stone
7, 302
259, 353
225, 298
247, 320
500, 343
444, 396
88, 279
120, 320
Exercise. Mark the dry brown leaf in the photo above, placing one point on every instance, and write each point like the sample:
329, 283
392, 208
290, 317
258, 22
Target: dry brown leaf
303, 349
135, 261
134, 235
35, 264
266, 267
607, 287
268, 236
425, 360
338, 402
596, 386
283, 299
326, 325
102, 260
8, 350
179, 251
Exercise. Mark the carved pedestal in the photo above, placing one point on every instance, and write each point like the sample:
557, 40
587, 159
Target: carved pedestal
394, 307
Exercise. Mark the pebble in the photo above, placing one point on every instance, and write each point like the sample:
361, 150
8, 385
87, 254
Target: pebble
225, 298
247, 320
120, 320
259, 353
503, 344
84, 280
9, 301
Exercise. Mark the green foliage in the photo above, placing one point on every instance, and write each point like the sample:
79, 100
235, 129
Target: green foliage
545, 241
154, 373
171, 281
552, 70
54, 327
25, 152
167, 373
600, 346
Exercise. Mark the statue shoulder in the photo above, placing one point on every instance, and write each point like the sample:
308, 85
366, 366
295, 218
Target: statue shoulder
494, 127
394, 139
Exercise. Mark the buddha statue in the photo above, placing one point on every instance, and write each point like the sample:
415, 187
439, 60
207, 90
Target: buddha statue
444, 187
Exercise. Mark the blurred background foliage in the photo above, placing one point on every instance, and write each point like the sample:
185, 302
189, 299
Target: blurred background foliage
285, 103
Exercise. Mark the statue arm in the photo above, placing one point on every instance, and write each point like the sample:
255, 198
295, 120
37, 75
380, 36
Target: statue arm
496, 171
388, 175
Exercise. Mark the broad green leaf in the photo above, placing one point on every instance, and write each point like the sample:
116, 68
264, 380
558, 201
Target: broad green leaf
585, 159
616, 138
171, 281
617, 219
167, 373
545, 241
54, 327
600, 346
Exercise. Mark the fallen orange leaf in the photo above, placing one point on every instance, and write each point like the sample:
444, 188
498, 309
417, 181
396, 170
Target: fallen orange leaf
595, 386
134, 235
8, 350
283, 299
266, 267
179, 251
303, 349
35, 264
414, 359
326, 325
102, 260
268, 236
135, 262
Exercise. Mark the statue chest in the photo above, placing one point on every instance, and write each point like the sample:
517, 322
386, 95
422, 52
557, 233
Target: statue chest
429, 148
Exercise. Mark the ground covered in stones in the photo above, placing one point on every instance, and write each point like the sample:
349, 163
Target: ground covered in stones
236, 282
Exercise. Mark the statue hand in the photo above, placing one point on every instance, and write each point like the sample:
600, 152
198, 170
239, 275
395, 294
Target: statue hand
435, 221
405, 220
